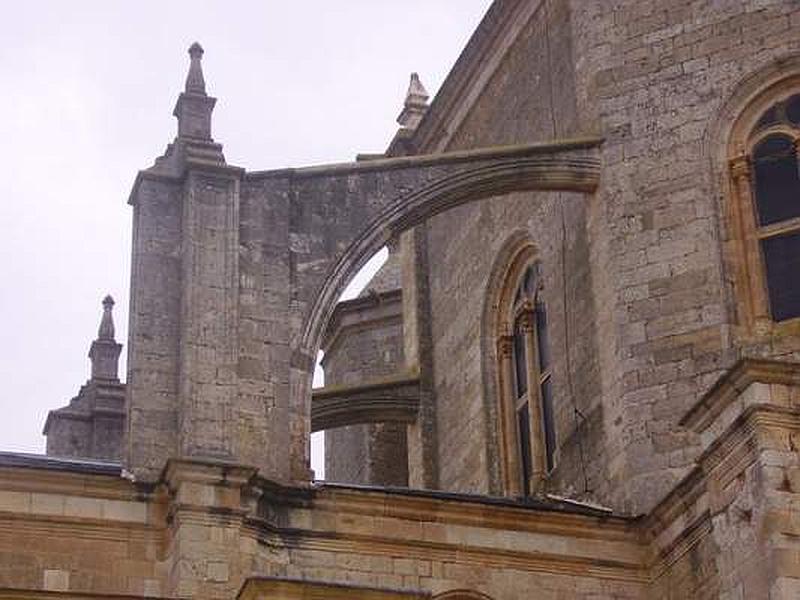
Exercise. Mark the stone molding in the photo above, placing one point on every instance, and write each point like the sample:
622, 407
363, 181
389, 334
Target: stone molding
427, 160
729, 387
380, 401
566, 165
749, 413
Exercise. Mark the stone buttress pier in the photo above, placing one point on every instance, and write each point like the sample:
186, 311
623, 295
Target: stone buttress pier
235, 275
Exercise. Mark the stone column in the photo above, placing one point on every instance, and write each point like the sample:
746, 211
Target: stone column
753, 294
511, 467
528, 323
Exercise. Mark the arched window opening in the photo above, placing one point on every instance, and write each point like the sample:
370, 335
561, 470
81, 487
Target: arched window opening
525, 382
767, 210
777, 184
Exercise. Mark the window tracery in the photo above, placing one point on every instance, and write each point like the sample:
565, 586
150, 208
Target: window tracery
525, 381
766, 205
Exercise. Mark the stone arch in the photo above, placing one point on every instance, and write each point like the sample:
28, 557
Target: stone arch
726, 146
523, 173
738, 113
563, 166
517, 244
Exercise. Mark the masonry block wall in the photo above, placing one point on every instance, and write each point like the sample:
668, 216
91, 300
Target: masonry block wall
647, 317
654, 78
529, 96
364, 343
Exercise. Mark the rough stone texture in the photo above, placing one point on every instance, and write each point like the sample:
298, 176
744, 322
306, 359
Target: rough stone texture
642, 319
92, 424
653, 77
236, 277
364, 342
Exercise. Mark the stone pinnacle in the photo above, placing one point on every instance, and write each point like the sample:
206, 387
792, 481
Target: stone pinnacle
415, 105
106, 331
417, 95
195, 83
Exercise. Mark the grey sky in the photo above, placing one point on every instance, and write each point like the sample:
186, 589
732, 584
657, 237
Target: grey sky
86, 100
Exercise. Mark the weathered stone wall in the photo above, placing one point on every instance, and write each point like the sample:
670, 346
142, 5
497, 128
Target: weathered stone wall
66, 531
529, 97
365, 343
460, 364
651, 78
69, 436
206, 528
92, 425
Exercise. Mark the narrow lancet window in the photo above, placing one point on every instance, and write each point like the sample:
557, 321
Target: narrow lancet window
530, 402
776, 195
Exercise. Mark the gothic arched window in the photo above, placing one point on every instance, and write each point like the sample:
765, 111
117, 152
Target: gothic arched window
525, 379
767, 186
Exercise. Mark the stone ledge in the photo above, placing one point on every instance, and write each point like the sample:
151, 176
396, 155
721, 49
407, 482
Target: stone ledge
730, 386
425, 160
387, 400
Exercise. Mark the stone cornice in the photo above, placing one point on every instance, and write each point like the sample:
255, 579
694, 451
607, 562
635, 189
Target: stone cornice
729, 387
176, 178
393, 399
725, 457
41, 469
206, 471
425, 160
530, 514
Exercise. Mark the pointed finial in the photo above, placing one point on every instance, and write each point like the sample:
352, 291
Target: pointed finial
195, 83
106, 331
417, 94
416, 104
104, 351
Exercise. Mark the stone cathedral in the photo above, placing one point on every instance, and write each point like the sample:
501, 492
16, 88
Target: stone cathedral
577, 375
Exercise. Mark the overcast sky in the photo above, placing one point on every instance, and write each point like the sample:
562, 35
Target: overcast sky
86, 96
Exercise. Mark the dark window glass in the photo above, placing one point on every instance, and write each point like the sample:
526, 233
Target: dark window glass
776, 180
520, 366
541, 336
782, 258
524, 424
548, 424
793, 110
770, 117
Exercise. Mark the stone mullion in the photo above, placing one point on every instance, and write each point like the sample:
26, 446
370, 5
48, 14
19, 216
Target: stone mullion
508, 421
748, 249
528, 322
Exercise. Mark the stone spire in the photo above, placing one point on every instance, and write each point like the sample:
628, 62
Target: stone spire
106, 330
194, 106
416, 104
195, 83
104, 351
